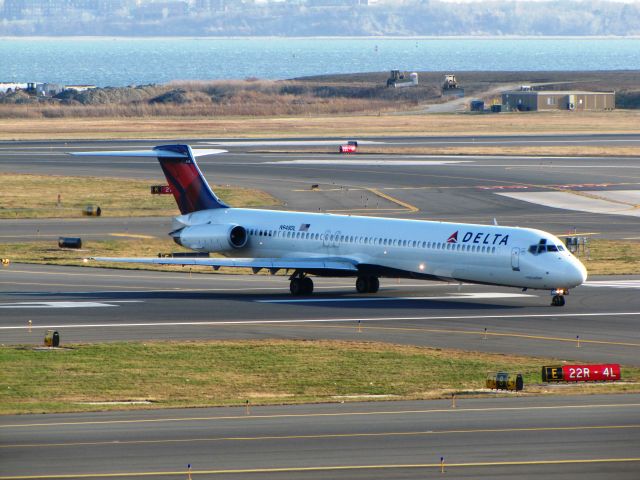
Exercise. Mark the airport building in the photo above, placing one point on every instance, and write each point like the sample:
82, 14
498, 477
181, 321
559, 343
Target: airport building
526, 100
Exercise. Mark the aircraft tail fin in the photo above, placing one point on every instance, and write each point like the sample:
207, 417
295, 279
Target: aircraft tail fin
178, 162
189, 187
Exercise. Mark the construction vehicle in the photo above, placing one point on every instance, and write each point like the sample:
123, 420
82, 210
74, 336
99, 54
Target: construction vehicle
450, 86
399, 79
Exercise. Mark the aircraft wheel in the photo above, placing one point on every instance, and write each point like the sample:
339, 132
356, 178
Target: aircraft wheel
558, 301
307, 286
296, 287
362, 285
374, 284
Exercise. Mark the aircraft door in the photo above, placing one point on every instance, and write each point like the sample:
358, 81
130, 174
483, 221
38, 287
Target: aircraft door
326, 242
515, 259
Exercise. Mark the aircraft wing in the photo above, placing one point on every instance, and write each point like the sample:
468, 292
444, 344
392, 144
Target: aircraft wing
306, 264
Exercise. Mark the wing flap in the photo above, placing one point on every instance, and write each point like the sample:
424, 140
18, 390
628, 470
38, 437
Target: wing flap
255, 263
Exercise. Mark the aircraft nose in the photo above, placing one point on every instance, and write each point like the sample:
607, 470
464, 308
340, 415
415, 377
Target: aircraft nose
576, 273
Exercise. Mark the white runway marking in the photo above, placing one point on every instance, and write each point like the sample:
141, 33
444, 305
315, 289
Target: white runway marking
615, 202
63, 304
614, 283
321, 320
461, 296
370, 162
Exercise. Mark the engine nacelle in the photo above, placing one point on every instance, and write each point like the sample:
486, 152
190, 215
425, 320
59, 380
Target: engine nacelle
211, 237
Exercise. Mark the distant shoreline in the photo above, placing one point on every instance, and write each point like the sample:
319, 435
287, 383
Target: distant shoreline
324, 37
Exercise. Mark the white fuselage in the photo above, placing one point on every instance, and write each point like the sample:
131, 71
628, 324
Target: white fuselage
395, 247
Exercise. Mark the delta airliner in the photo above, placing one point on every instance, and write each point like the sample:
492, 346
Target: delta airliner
353, 246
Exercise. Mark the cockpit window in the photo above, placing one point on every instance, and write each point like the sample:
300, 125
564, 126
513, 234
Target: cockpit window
542, 247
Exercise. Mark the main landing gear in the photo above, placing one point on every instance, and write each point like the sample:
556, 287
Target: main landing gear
558, 297
368, 284
300, 284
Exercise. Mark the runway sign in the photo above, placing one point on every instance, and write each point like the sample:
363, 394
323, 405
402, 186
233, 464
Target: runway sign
160, 189
606, 372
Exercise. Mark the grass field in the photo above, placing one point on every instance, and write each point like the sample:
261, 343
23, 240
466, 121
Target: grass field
347, 126
36, 196
190, 374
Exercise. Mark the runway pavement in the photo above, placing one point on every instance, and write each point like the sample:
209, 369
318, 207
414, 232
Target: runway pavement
86, 304
590, 437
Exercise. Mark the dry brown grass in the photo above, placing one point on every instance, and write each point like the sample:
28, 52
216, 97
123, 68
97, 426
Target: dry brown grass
352, 126
36, 196
612, 257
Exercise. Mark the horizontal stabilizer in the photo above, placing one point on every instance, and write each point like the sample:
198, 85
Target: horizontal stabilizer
149, 153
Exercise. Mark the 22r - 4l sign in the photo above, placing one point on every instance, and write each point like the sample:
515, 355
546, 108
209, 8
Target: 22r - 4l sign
608, 372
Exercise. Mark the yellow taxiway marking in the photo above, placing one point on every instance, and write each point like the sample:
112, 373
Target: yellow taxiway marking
133, 235
408, 206
327, 468
457, 411
462, 332
322, 436
368, 210
375, 191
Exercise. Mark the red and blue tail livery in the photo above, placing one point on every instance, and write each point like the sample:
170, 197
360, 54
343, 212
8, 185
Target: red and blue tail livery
189, 187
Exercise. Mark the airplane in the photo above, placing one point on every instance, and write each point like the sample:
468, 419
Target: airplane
366, 248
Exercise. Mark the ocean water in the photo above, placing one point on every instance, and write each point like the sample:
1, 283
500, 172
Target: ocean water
138, 61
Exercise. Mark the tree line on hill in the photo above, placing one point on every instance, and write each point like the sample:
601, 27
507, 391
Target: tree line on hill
340, 18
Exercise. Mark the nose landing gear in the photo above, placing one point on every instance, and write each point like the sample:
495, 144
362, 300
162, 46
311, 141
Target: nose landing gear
558, 297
